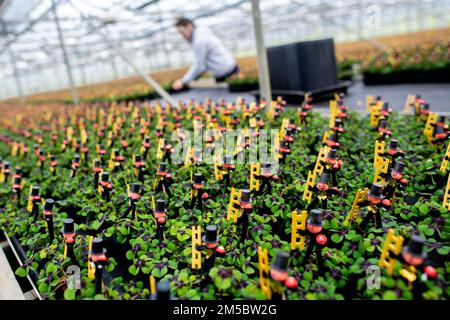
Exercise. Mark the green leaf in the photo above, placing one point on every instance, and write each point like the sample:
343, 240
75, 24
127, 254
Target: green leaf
336, 238
129, 255
69, 294
222, 284
21, 272
389, 295
133, 270
423, 208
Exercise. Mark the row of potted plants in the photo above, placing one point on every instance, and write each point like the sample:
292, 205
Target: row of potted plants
118, 224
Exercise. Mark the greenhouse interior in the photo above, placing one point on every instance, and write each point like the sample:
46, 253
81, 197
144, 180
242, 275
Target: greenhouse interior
224, 150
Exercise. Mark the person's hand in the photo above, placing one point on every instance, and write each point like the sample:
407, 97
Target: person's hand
177, 85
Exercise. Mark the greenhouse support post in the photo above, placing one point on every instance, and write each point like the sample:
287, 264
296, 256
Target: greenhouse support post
73, 89
263, 68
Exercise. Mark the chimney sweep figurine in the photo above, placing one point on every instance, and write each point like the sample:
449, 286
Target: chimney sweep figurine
331, 166
332, 141
98, 260
69, 239
321, 193
17, 189
163, 180
385, 111
393, 152
227, 168
97, 168
414, 256
279, 277
210, 245
266, 177
33, 202
53, 164
302, 116
133, 196
197, 193
75, 165
338, 127
6, 170
140, 169
117, 160
284, 151
441, 136
289, 136
159, 213
245, 203
101, 153
104, 187
383, 132
167, 152
163, 292
317, 240
48, 217
396, 180
41, 159
374, 203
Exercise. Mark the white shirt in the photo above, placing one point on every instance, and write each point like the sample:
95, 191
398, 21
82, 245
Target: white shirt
209, 55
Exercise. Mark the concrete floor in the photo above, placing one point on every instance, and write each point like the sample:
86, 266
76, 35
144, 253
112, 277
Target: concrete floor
437, 94
9, 288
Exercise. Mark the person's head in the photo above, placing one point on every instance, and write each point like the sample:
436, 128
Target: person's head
185, 26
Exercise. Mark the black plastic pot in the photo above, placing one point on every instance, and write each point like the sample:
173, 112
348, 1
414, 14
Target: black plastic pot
408, 76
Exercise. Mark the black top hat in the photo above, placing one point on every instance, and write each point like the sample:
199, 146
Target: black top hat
441, 119
162, 167
76, 158
245, 196
382, 124
375, 190
138, 158
17, 180
146, 139
6, 165
399, 166
316, 217
52, 157
439, 129
160, 205
338, 123
426, 106
102, 147
284, 144
211, 234
97, 163
35, 191
105, 176
332, 154
198, 178
281, 262
227, 159
332, 137
116, 152
97, 247
41, 152
393, 144
289, 132
162, 291
385, 106
323, 177
135, 187
69, 226
416, 246
48, 206
258, 117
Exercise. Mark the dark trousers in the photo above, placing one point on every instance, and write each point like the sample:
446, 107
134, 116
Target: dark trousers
229, 74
